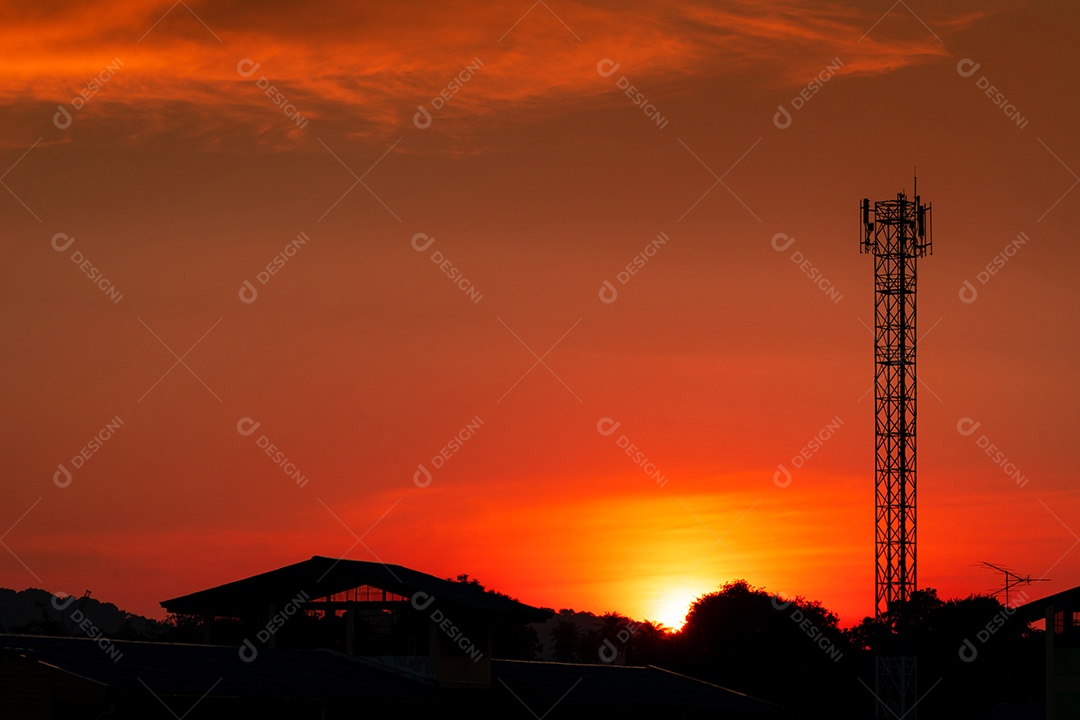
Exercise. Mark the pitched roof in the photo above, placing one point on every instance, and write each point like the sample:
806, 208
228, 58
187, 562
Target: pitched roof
1036, 609
323, 576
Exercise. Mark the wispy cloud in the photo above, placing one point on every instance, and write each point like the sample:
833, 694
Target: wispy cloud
365, 68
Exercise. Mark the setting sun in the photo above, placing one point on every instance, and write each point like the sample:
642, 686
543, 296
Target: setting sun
671, 607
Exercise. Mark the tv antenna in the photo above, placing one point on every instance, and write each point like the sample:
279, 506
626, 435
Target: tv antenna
1011, 580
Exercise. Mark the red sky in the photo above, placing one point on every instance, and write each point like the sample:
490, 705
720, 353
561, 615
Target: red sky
539, 179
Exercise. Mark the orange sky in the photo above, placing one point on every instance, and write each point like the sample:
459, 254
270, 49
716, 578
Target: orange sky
177, 178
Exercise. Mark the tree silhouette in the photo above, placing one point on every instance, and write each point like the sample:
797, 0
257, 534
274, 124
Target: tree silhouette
788, 651
981, 654
509, 640
566, 639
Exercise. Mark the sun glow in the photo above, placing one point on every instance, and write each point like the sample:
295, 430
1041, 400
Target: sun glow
671, 607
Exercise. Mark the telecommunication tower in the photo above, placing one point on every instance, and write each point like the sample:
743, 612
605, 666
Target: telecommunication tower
897, 233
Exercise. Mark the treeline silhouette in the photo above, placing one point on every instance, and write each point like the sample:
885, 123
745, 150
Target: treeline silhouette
972, 653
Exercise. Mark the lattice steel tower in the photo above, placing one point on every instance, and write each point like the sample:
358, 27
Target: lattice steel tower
897, 233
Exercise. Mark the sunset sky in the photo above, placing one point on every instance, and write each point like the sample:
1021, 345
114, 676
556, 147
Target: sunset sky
448, 196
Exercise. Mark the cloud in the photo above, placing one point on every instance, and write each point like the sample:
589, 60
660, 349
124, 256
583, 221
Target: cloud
366, 68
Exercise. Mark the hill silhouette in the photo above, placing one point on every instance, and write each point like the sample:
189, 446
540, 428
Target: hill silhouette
38, 612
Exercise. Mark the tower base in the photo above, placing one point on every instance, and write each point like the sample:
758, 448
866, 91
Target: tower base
894, 686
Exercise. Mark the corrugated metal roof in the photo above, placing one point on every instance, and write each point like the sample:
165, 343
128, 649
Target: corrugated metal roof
613, 686
214, 672
174, 669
